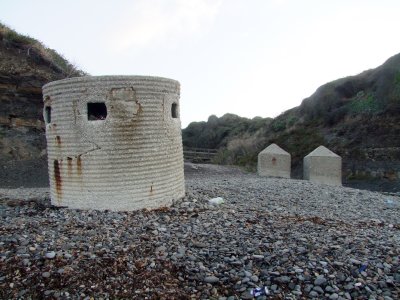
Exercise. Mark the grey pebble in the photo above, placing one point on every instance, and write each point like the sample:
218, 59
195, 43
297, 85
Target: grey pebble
211, 279
299, 270
254, 278
283, 279
50, 255
355, 261
320, 280
318, 289
247, 274
313, 294
246, 295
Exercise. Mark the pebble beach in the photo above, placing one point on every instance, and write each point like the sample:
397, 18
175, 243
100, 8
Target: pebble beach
271, 238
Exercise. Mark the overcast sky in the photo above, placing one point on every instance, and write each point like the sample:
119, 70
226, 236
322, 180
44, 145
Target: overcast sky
247, 57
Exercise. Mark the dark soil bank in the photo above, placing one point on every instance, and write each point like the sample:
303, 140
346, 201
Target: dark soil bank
27, 173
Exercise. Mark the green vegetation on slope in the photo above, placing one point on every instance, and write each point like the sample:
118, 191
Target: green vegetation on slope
347, 115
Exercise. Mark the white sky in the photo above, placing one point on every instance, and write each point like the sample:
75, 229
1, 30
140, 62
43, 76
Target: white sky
247, 57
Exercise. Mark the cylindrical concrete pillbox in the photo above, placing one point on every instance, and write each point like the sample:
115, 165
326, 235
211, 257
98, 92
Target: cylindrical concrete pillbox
114, 142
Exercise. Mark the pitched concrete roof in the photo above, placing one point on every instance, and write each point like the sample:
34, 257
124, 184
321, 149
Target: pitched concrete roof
322, 151
274, 149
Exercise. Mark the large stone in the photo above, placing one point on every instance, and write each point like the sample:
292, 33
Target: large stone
323, 166
274, 161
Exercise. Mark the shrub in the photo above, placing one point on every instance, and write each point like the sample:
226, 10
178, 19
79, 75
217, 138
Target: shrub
278, 124
292, 120
365, 103
241, 151
397, 78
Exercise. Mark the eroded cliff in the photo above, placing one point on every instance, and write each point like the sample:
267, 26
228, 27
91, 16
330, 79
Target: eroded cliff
25, 66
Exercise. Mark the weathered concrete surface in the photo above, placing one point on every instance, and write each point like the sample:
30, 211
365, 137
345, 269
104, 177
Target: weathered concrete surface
124, 152
323, 166
274, 161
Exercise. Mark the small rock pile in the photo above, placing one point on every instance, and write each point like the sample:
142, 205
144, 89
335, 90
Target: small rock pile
298, 239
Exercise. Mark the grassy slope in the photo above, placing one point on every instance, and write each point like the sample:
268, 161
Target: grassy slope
36, 50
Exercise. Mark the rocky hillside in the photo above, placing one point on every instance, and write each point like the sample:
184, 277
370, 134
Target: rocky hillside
25, 66
218, 132
357, 117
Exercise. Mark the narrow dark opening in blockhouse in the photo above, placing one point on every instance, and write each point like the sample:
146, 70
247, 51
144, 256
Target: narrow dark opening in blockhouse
47, 114
174, 110
96, 111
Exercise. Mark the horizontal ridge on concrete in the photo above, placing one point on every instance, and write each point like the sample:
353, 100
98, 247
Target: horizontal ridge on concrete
73, 85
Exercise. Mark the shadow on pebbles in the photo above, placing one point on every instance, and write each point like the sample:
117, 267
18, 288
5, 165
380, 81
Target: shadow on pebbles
299, 240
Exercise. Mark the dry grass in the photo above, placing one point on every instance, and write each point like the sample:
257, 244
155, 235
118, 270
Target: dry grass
33, 47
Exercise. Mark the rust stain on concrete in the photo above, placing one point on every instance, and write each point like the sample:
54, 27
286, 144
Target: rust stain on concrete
69, 164
58, 140
58, 179
79, 165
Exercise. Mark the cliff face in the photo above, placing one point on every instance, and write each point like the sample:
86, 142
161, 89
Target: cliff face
25, 66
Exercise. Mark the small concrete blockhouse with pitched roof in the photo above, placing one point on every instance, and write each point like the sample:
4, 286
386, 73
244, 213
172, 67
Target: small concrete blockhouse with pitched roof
114, 142
323, 166
274, 161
